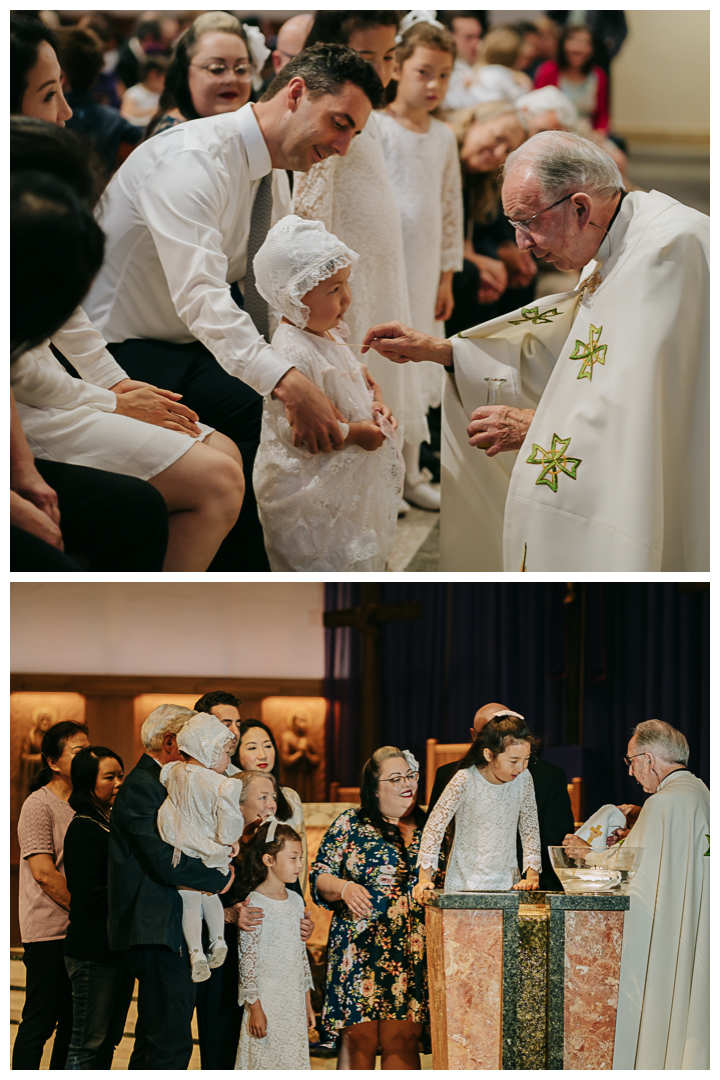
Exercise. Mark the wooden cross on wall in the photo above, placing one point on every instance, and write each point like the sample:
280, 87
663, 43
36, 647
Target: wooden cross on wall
368, 619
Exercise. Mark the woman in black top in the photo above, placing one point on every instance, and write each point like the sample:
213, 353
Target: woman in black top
102, 984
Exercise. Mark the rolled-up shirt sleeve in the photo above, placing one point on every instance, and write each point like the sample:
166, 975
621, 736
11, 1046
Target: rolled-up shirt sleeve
184, 221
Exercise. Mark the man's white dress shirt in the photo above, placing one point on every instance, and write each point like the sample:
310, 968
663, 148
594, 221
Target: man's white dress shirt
177, 218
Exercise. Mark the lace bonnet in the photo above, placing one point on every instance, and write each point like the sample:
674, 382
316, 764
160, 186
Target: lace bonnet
296, 256
204, 737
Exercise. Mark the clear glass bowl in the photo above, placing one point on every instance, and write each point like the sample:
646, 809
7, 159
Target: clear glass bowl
596, 872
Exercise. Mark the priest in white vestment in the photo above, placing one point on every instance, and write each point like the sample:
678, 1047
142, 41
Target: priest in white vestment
599, 457
663, 1017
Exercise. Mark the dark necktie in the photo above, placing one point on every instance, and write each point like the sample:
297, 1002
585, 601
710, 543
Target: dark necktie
255, 304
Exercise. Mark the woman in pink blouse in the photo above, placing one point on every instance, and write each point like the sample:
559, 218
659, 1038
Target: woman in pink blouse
578, 76
45, 900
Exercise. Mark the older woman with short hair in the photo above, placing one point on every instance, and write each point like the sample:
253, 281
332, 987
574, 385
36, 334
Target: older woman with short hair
376, 988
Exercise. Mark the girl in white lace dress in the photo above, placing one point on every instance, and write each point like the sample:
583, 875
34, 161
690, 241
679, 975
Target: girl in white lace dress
424, 169
275, 980
202, 818
324, 511
490, 796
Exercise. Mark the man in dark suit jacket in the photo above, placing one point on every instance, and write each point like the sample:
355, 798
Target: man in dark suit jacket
555, 814
145, 909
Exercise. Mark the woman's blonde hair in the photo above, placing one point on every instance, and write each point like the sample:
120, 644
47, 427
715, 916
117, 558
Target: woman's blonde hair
502, 45
483, 188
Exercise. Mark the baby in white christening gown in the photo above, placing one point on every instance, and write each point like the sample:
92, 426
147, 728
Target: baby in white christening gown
201, 817
324, 511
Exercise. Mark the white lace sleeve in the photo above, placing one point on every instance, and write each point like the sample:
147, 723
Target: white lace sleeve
313, 193
439, 820
452, 211
529, 827
248, 958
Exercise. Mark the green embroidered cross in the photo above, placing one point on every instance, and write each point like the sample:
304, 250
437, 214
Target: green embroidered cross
533, 315
554, 461
590, 353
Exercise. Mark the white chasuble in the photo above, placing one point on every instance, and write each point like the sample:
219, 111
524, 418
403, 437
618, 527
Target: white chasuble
614, 470
664, 1001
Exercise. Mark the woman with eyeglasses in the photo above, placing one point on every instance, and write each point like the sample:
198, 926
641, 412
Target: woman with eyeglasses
211, 71
376, 988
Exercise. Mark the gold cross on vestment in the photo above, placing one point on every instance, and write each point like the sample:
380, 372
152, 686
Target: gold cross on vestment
534, 315
590, 284
590, 353
554, 461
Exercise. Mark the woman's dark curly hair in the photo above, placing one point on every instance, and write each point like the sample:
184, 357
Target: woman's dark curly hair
284, 809
369, 811
254, 869
501, 732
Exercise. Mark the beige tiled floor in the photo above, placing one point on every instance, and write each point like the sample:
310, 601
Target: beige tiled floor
122, 1054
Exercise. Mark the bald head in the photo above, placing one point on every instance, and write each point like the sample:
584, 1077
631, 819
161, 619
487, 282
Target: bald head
291, 40
484, 715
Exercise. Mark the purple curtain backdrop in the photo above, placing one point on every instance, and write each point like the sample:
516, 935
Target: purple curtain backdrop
646, 656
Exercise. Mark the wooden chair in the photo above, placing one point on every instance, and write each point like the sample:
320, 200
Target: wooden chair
344, 794
576, 791
437, 754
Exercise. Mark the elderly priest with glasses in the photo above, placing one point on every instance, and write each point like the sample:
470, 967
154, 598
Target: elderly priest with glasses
598, 458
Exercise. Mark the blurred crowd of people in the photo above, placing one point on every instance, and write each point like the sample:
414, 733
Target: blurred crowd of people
116, 470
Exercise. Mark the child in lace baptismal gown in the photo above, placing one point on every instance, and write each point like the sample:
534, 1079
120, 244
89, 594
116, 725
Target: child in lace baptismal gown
324, 511
490, 796
202, 818
275, 980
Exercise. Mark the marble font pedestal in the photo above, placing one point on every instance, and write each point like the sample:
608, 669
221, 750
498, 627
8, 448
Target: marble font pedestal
524, 980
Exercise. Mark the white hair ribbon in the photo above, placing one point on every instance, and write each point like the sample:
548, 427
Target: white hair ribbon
506, 712
411, 760
259, 52
414, 17
271, 831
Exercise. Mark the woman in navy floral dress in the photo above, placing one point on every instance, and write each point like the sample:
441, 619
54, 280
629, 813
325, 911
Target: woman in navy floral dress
376, 988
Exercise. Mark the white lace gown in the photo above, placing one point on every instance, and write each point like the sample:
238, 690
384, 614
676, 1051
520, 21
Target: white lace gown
335, 511
487, 816
201, 815
274, 968
424, 170
354, 199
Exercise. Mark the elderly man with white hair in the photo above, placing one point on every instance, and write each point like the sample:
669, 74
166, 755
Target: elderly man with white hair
664, 1003
145, 909
599, 457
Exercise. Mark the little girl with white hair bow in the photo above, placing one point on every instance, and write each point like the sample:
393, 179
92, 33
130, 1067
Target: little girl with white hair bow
201, 818
324, 511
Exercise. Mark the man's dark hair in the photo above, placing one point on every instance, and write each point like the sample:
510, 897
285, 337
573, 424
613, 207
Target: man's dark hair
216, 697
39, 146
325, 69
337, 27
81, 57
52, 746
84, 773
149, 28
448, 17
25, 38
48, 223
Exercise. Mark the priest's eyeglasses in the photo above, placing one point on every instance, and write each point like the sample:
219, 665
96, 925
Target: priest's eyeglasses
524, 225
398, 781
244, 71
629, 760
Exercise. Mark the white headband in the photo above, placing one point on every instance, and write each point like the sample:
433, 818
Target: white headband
414, 17
273, 827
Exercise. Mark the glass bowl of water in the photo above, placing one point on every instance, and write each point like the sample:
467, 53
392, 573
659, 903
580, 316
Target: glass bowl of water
596, 872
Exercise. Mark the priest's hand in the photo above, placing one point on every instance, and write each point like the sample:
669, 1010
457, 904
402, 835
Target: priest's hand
532, 881
402, 345
312, 416
495, 428
575, 846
